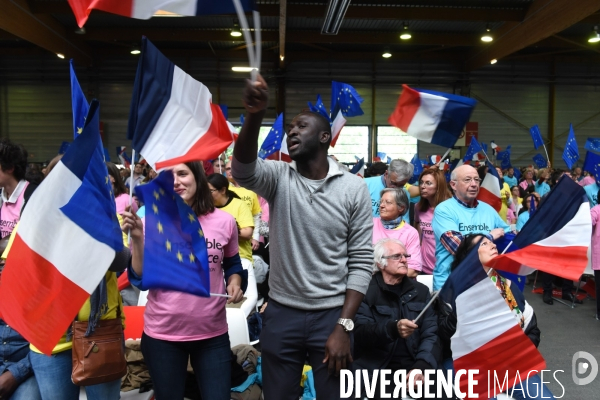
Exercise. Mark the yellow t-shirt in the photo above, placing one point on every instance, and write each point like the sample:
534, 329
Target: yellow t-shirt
240, 211
249, 197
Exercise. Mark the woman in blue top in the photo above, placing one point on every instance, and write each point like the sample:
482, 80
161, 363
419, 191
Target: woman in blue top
524, 213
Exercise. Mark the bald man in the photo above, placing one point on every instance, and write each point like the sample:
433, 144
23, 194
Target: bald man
458, 216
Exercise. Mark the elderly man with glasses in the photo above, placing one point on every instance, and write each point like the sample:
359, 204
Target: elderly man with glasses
397, 175
460, 215
386, 333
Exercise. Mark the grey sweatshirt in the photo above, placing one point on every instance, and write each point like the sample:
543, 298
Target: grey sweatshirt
321, 241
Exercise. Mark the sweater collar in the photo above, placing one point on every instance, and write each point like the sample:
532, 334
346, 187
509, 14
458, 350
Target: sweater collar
334, 168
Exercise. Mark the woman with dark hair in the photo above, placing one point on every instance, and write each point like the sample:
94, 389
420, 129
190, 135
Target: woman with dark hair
523, 216
532, 387
119, 190
433, 190
228, 201
180, 326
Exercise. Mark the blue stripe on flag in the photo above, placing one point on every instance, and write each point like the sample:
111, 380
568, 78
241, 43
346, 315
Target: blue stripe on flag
92, 207
151, 93
468, 273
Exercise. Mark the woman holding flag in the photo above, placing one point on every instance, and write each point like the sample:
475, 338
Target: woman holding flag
179, 326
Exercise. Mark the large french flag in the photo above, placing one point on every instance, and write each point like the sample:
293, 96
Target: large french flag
145, 9
172, 118
556, 238
485, 329
66, 240
432, 117
489, 192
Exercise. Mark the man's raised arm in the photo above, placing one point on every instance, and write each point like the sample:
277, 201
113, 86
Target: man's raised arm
256, 96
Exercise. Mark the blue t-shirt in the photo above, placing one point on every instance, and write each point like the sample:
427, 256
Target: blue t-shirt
511, 181
375, 185
523, 217
450, 215
542, 189
592, 193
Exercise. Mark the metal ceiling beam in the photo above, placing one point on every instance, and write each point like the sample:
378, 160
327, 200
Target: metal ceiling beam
544, 18
282, 26
439, 12
44, 31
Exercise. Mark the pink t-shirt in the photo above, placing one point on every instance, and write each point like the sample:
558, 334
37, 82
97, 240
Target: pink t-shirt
427, 239
596, 239
177, 316
10, 212
122, 201
407, 235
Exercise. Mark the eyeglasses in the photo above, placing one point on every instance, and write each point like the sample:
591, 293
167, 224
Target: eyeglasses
396, 257
425, 183
468, 181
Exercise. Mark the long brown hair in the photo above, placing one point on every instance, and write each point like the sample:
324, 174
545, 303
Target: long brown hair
202, 202
442, 193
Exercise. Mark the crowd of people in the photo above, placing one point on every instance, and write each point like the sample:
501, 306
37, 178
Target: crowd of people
343, 253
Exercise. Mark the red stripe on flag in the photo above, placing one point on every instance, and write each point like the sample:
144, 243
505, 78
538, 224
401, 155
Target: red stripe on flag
490, 198
37, 300
408, 105
494, 354
216, 139
83, 8
567, 262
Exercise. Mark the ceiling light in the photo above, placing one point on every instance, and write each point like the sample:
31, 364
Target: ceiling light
281, 57
493, 61
243, 69
336, 9
386, 53
80, 31
235, 32
405, 35
135, 50
60, 55
594, 36
487, 36
162, 13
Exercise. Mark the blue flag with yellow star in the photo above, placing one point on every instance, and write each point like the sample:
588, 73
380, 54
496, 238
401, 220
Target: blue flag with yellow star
346, 99
79, 104
272, 142
571, 153
175, 253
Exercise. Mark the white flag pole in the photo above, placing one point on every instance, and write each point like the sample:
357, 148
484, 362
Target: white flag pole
131, 189
247, 37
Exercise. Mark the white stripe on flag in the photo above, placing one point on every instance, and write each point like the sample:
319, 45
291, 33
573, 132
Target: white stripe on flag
427, 118
482, 316
491, 183
72, 251
577, 232
337, 125
185, 119
145, 9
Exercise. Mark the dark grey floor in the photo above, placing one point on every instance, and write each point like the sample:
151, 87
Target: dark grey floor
566, 331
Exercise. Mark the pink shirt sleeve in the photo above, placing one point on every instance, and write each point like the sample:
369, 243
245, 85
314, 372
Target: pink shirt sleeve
232, 247
413, 247
595, 214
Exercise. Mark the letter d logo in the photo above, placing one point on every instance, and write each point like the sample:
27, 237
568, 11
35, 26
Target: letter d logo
582, 367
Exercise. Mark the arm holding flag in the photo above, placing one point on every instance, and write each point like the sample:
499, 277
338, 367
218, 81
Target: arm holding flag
256, 96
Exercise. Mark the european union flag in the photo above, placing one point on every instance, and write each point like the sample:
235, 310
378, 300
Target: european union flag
473, 149
504, 156
272, 142
319, 108
418, 168
63, 147
536, 135
175, 253
571, 153
540, 161
345, 98
592, 144
592, 164
78, 103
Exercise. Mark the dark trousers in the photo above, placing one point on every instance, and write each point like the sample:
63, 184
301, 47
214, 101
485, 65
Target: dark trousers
289, 338
167, 363
547, 280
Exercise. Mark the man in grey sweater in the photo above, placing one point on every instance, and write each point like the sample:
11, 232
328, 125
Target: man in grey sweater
321, 251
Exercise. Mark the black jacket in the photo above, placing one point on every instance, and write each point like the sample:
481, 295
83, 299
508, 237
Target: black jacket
376, 334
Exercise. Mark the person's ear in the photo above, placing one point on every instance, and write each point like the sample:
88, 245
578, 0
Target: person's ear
325, 137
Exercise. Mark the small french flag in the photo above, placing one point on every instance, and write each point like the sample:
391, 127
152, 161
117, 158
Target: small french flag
432, 117
489, 192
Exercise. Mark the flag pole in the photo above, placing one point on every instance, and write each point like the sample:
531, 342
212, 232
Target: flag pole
444, 156
131, 190
427, 306
247, 37
547, 158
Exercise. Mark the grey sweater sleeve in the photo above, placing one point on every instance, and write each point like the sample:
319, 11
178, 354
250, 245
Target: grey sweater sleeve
360, 238
260, 176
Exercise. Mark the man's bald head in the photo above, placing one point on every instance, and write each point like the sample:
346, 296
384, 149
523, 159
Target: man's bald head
464, 180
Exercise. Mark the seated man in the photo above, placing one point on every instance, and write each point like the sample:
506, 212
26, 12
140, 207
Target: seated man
386, 335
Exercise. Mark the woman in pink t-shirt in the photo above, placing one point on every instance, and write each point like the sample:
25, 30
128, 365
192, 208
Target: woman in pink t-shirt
179, 326
434, 190
390, 224
120, 192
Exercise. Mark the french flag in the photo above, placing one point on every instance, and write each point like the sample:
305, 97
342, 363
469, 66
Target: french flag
485, 328
432, 117
283, 154
556, 238
172, 118
489, 192
122, 154
145, 9
336, 127
66, 240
